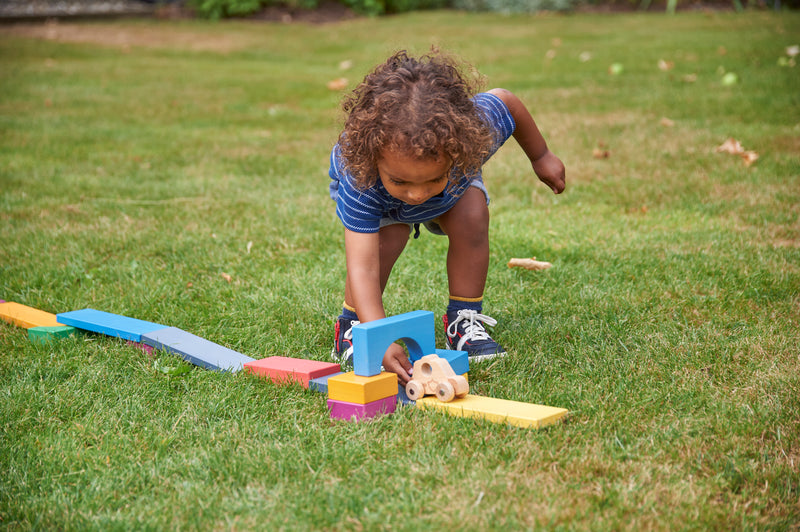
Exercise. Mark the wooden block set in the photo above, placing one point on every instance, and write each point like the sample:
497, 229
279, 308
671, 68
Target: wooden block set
368, 391
44, 326
350, 396
364, 393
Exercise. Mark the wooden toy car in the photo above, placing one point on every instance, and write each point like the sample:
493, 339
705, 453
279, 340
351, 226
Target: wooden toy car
434, 376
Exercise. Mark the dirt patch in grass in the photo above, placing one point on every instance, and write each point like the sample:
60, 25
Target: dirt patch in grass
127, 36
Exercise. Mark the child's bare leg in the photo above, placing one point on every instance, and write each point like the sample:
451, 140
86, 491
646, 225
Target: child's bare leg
393, 240
467, 227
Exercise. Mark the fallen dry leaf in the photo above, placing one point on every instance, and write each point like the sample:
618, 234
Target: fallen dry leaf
529, 264
226, 277
665, 65
599, 153
338, 84
730, 145
734, 147
749, 157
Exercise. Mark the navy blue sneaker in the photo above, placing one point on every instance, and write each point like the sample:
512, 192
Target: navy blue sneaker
342, 351
465, 331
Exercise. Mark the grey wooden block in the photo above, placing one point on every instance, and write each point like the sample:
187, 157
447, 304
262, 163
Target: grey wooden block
196, 350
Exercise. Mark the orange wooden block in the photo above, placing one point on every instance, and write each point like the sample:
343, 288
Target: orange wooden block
282, 369
27, 317
352, 388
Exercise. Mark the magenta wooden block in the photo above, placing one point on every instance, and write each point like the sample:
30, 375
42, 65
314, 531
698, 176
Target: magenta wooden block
353, 411
139, 345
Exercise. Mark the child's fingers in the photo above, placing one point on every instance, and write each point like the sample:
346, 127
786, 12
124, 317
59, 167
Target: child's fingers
395, 361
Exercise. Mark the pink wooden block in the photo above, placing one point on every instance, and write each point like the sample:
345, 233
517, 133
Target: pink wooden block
282, 369
349, 411
144, 347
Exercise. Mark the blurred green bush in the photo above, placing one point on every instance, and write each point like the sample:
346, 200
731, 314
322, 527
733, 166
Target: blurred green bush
216, 9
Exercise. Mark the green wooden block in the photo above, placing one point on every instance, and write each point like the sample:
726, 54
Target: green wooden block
46, 334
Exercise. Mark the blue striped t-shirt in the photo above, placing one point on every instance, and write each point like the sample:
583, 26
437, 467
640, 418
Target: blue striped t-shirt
361, 211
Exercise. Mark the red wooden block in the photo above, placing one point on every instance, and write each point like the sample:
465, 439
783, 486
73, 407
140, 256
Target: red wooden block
282, 369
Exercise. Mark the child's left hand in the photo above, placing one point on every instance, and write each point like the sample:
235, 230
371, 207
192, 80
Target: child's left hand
551, 172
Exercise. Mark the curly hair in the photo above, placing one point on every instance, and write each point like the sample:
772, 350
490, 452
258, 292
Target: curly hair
419, 106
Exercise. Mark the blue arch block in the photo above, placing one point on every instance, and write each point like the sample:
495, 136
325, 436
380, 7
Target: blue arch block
458, 360
372, 339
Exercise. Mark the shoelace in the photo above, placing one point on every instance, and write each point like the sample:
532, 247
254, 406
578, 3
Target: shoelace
473, 330
348, 335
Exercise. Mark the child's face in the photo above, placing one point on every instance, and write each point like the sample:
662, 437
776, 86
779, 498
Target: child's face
411, 180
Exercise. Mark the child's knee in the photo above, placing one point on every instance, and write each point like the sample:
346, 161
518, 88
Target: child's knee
474, 216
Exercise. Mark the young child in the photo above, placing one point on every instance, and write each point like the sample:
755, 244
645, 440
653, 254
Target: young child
414, 141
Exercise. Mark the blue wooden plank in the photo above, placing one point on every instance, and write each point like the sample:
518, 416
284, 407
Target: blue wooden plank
110, 324
196, 350
402, 397
320, 384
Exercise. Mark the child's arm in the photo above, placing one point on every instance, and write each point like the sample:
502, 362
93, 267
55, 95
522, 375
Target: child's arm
547, 166
363, 272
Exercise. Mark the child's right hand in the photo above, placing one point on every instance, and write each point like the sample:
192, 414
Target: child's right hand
396, 361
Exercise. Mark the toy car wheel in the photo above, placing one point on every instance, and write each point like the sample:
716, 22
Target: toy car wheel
414, 390
445, 392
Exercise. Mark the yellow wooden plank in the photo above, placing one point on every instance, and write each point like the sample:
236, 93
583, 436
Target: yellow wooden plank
352, 388
24, 316
498, 410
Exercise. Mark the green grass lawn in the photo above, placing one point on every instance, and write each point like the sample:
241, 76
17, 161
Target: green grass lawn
176, 172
